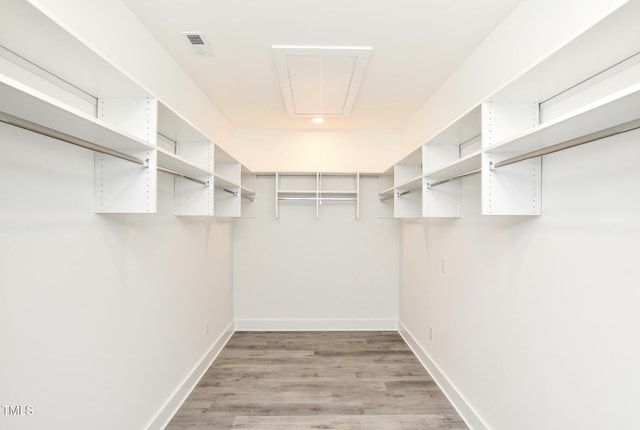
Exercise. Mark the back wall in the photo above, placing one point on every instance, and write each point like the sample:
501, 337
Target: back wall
297, 272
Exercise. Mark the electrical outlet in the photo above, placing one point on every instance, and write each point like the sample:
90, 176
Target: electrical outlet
431, 333
443, 266
206, 328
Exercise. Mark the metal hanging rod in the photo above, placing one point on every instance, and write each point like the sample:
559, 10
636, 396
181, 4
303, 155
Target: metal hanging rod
252, 198
338, 199
384, 199
46, 131
173, 172
402, 193
444, 181
168, 138
47, 75
627, 60
297, 198
227, 190
470, 140
321, 199
608, 132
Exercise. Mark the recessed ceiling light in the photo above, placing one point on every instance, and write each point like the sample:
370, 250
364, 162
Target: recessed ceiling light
317, 120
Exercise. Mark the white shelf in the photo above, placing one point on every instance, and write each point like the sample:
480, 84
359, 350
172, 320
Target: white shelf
411, 184
615, 39
246, 191
174, 162
387, 191
176, 128
618, 108
25, 103
224, 182
297, 192
458, 167
460, 130
306, 187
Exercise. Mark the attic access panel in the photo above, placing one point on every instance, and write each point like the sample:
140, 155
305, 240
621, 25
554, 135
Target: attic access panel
320, 80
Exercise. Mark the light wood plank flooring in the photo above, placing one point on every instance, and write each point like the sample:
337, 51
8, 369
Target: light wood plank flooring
316, 380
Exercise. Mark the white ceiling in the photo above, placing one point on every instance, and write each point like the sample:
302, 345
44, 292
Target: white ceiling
416, 45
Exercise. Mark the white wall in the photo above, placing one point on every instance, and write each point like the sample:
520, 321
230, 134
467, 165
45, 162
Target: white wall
102, 315
536, 319
270, 150
298, 272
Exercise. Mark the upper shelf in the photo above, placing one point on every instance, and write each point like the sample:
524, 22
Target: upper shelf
25, 103
339, 192
607, 43
174, 162
458, 167
224, 182
246, 191
411, 184
618, 108
463, 129
177, 129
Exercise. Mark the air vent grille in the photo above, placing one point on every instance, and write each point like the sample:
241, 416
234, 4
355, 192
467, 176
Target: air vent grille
195, 39
198, 42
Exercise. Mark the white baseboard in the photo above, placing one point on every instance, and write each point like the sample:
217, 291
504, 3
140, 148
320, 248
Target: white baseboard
317, 325
169, 409
465, 410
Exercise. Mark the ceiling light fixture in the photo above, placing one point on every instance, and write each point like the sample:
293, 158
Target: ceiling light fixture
317, 120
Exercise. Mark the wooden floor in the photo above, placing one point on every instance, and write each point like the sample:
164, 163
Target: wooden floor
316, 380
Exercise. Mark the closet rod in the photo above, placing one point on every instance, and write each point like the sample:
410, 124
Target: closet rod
46, 131
338, 199
173, 172
227, 190
384, 199
608, 132
328, 199
400, 194
444, 181
466, 142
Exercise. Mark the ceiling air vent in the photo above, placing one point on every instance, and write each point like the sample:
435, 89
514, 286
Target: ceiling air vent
198, 42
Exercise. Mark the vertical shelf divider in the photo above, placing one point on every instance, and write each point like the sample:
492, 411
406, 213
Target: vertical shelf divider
444, 200
227, 184
318, 193
120, 186
358, 195
515, 189
191, 198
